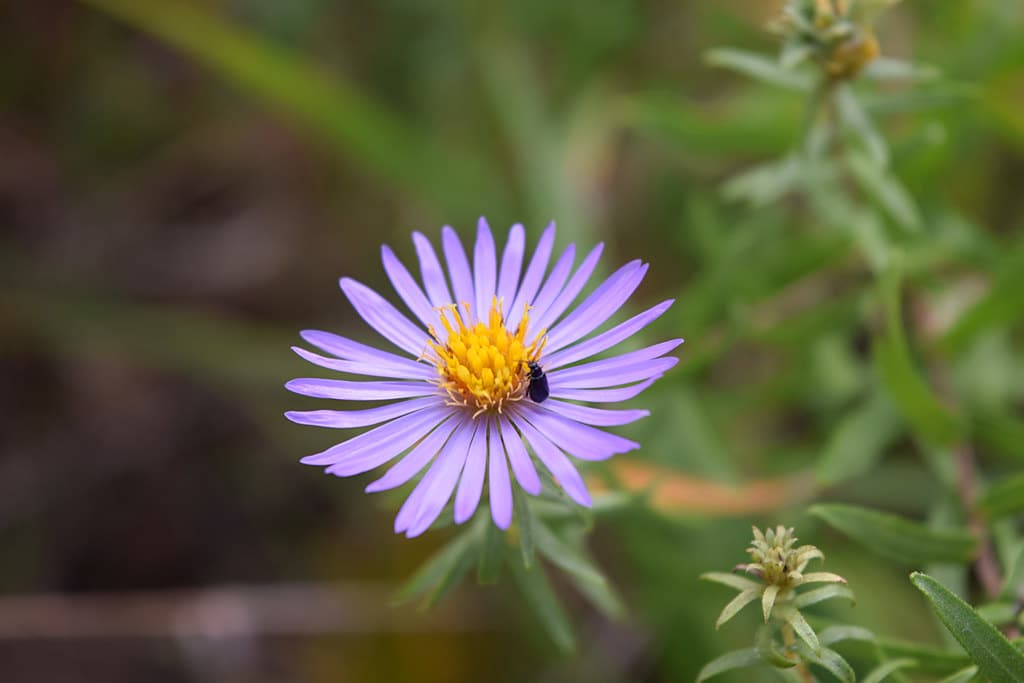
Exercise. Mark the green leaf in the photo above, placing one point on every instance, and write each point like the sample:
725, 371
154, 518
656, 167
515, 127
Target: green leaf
325, 104
882, 671
764, 183
542, 600
768, 600
523, 515
831, 661
585, 575
1004, 498
898, 538
889, 69
885, 189
442, 571
1001, 432
737, 659
769, 650
1002, 304
813, 597
836, 634
492, 554
929, 659
998, 613
800, 626
740, 583
737, 603
759, 68
859, 440
996, 658
963, 676
856, 120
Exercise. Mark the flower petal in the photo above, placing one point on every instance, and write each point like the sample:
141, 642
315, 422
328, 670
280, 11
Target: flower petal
430, 269
608, 366
498, 480
594, 416
602, 303
442, 485
553, 285
346, 419
471, 484
458, 268
603, 395
383, 438
455, 445
547, 317
368, 456
534, 274
342, 347
589, 378
406, 370
519, 458
511, 266
344, 390
406, 287
484, 269
409, 466
578, 440
605, 340
385, 318
556, 462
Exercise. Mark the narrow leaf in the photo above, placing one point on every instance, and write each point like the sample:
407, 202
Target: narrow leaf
885, 189
492, 554
1005, 497
817, 595
882, 671
759, 68
859, 440
737, 659
768, 600
856, 119
929, 659
836, 634
450, 561
769, 649
736, 604
1002, 304
801, 627
831, 661
523, 515
740, 583
996, 658
963, 676
585, 575
544, 603
896, 537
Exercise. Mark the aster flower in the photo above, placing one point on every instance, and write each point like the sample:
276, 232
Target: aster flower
460, 405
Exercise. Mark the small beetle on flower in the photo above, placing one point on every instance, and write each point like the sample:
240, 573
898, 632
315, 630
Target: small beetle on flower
486, 337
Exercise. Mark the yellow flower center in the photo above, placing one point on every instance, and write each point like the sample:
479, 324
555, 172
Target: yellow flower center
485, 365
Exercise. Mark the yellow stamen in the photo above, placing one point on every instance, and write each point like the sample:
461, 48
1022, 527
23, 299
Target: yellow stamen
484, 366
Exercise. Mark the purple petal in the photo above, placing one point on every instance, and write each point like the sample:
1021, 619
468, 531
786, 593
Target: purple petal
343, 347
578, 440
484, 269
511, 265
471, 484
602, 303
522, 464
498, 481
534, 274
441, 488
407, 288
382, 438
346, 419
547, 317
370, 456
385, 318
406, 370
409, 466
583, 378
609, 366
553, 285
605, 340
433, 274
594, 416
556, 462
457, 444
603, 395
345, 390
458, 268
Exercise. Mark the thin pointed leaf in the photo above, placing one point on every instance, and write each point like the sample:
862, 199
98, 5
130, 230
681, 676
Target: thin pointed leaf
857, 120
740, 583
1003, 498
963, 676
544, 603
737, 659
817, 595
822, 577
585, 575
996, 658
883, 670
768, 600
492, 554
859, 440
885, 189
736, 604
801, 627
523, 515
898, 538
831, 661
451, 560
836, 634
759, 68
929, 659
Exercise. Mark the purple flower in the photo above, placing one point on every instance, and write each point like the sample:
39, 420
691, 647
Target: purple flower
459, 392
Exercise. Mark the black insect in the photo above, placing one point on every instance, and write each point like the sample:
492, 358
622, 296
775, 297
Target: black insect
538, 389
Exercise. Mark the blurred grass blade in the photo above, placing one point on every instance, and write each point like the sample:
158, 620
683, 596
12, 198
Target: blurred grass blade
890, 69
996, 658
585, 575
737, 659
759, 68
857, 120
886, 190
929, 659
859, 441
968, 675
325, 104
441, 572
1004, 498
492, 554
544, 603
882, 671
1001, 432
998, 613
813, 597
896, 537
524, 519
836, 634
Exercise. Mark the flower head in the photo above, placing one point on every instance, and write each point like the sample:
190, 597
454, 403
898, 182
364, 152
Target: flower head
463, 400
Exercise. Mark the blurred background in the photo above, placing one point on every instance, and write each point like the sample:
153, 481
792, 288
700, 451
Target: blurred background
181, 185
